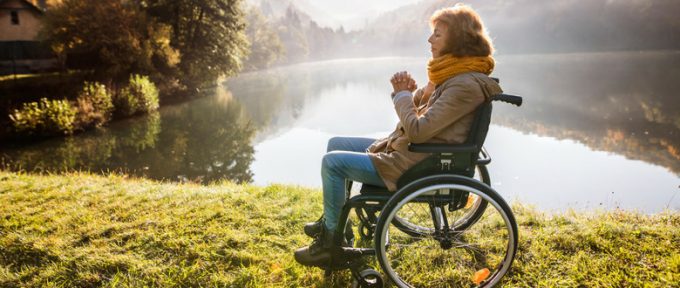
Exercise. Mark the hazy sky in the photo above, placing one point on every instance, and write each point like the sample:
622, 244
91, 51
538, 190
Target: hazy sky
352, 14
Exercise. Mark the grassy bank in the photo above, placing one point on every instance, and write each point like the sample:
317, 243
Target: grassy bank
83, 230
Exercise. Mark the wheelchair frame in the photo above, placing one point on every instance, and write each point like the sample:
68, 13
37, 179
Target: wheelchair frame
449, 167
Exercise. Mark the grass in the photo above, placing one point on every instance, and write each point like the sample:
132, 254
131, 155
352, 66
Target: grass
84, 230
18, 76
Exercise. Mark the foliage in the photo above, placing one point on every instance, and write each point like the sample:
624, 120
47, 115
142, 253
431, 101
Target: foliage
92, 151
79, 230
94, 105
112, 38
301, 37
139, 96
208, 34
46, 117
265, 45
175, 152
292, 34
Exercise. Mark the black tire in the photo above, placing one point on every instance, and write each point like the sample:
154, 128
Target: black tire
450, 256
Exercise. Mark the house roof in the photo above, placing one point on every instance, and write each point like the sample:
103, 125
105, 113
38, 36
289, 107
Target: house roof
29, 4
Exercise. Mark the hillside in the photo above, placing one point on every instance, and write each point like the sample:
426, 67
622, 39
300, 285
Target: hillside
84, 230
517, 27
525, 26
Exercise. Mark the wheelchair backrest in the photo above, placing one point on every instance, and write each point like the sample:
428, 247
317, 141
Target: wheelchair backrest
457, 159
480, 125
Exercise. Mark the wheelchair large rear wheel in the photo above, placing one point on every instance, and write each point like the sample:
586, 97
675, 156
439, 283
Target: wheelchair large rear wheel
466, 216
444, 256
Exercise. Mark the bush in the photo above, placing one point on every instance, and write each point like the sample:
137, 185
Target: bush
46, 117
140, 96
94, 105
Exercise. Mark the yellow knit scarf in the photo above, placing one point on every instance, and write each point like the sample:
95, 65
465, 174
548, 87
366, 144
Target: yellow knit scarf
442, 68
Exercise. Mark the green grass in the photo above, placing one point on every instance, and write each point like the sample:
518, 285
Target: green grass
83, 230
17, 76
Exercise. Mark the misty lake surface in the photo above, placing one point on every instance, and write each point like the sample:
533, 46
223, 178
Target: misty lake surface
596, 131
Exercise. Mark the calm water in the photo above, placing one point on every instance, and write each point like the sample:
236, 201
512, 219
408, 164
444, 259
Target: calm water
597, 131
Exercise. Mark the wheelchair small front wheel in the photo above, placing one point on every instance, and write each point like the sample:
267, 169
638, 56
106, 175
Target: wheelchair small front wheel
478, 255
368, 278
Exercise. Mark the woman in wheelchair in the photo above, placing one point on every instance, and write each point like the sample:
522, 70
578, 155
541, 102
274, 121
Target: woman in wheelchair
441, 112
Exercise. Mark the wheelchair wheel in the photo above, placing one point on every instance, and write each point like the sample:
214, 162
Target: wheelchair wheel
442, 255
469, 214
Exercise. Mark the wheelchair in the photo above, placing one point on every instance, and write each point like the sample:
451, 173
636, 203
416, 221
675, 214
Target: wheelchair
444, 227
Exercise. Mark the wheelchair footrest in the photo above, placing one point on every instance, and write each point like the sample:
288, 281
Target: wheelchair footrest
357, 252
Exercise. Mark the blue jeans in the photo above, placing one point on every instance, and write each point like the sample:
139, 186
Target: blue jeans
346, 158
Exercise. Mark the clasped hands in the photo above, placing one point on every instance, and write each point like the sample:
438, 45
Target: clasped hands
403, 81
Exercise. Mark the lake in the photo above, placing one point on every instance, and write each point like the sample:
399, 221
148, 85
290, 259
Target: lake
596, 131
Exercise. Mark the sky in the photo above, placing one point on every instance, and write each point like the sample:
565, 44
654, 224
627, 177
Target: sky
351, 14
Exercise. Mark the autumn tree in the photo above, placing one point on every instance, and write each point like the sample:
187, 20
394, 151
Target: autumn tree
209, 34
112, 38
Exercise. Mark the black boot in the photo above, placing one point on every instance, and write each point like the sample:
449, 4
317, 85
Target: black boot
313, 229
317, 254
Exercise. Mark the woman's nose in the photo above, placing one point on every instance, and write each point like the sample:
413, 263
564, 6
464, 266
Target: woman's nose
430, 39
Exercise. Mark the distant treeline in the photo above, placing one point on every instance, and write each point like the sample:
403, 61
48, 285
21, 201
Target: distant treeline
517, 27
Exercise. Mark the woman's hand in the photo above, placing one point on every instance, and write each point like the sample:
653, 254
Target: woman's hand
403, 81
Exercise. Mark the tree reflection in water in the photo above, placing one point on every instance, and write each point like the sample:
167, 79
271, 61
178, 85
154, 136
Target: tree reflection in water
175, 150
89, 151
210, 140
625, 103
619, 102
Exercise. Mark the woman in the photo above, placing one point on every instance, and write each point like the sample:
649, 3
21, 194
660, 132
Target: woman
441, 112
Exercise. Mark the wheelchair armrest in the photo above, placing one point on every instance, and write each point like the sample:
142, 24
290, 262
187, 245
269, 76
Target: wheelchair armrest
442, 148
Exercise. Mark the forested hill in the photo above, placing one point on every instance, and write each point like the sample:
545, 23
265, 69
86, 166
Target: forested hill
529, 26
517, 27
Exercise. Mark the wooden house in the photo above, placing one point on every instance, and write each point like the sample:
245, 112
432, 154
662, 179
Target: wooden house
20, 49
19, 20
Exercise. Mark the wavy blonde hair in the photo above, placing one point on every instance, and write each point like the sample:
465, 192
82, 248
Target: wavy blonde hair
467, 34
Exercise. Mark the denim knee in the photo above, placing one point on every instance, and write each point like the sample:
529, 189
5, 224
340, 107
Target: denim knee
329, 161
333, 143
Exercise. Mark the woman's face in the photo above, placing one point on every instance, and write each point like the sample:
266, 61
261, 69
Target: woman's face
438, 39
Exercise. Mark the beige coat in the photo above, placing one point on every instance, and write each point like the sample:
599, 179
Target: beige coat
445, 117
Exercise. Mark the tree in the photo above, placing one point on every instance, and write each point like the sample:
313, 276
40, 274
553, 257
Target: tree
112, 38
209, 34
292, 34
265, 44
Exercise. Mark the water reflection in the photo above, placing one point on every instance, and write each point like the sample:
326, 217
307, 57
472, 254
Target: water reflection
170, 145
619, 103
624, 103
89, 151
585, 117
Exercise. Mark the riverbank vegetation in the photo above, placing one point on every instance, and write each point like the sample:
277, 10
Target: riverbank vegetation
83, 230
183, 48
93, 106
